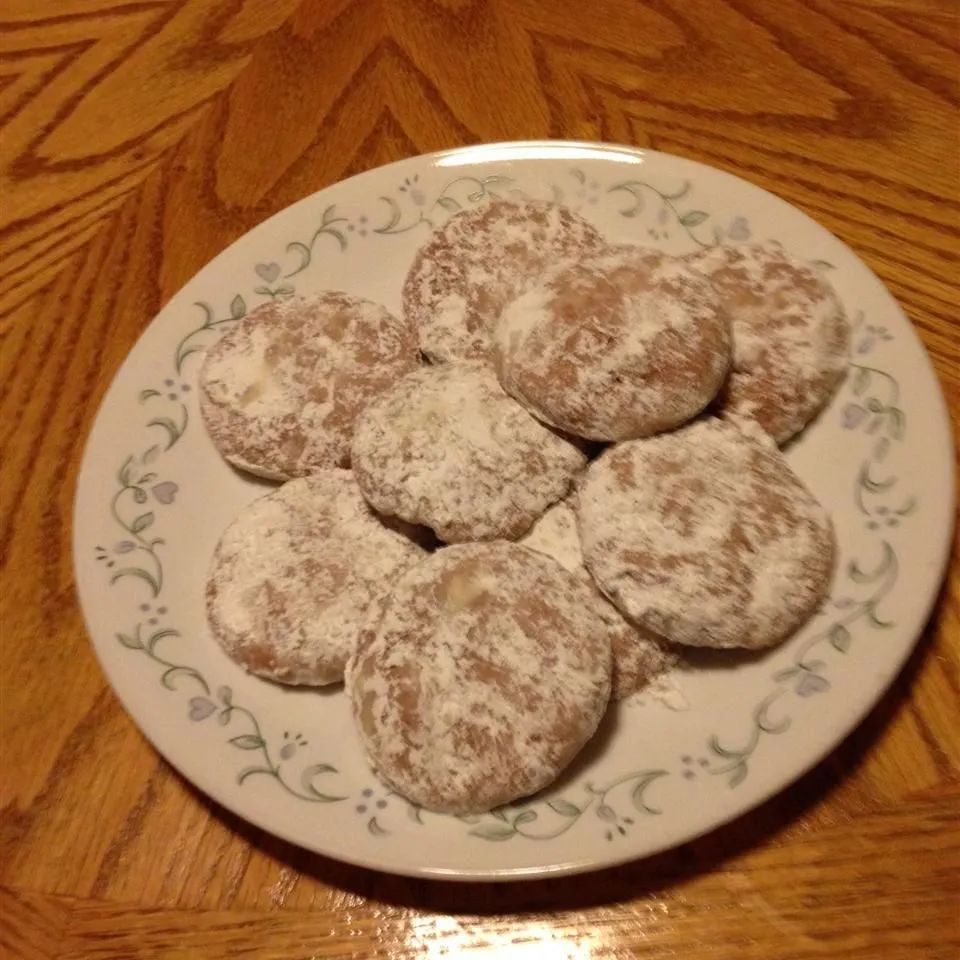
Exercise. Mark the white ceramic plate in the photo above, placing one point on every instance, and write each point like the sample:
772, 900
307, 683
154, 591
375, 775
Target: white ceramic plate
154, 496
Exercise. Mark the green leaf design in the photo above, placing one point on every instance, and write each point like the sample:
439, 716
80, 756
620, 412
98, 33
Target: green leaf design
858, 575
131, 643
124, 473
336, 234
208, 314
375, 828
303, 251
897, 425
247, 741
564, 807
679, 194
606, 812
493, 831
319, 768
141, 574
395, 214
694, 217
528, 816
840, 638
156, 637
761, 714
142, 522
738, 775
147, 394
721, 751
500, 815
184, 351
636, 795
878, 621
250, 771
174, 430
861, 381
169, 676
306, 781
448, 204
413, 812
238, 307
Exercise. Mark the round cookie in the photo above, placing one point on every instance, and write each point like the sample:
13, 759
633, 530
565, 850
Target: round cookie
486, 671
448, 449
706, 536
478, 261
790, 333
621, 346
293, 577
280, 390
637, 656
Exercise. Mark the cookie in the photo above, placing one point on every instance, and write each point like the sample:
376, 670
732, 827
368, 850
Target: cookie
706, 536
478, 261
638, 657
616, 347
280, 390
448, 449
294, 575
484, 674
791, 335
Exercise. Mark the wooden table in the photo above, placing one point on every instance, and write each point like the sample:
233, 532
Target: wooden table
139, 139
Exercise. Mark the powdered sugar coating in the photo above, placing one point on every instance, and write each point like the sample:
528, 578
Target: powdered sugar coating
281, 389
624, 345
706, 536
294, 574
486, 671
447, 448
637, 656
791, 335
478, 261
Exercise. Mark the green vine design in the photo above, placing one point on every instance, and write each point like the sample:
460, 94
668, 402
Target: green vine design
254, 740
868, 485
202, 707
885, 411
734, 763
148, 646
329, 227
807, 675
188, 345
374, 828
688, 219
133, 490
504, 825
446, 201
882, 579
174, 429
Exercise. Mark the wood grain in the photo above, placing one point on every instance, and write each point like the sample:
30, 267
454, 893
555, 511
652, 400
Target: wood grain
140, 138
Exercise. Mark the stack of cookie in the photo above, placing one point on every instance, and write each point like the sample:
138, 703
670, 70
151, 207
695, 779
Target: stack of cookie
508, 505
